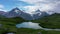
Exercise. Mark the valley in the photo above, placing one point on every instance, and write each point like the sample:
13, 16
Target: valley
9, 20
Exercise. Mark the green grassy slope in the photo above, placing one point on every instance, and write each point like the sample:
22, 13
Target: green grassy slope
9, 24
52, 21
12, 20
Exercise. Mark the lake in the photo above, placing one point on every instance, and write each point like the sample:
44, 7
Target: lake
29, 25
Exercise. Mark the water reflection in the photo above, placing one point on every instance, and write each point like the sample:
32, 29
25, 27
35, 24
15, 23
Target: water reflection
29, 25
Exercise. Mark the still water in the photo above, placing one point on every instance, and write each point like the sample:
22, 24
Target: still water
29, 25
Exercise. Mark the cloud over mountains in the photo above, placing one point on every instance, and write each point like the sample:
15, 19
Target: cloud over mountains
31, 5
43, 5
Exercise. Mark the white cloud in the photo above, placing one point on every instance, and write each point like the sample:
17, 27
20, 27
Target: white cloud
39, 1
43, 5
3, 10
31, 1
30, 9
57, 7
1, 6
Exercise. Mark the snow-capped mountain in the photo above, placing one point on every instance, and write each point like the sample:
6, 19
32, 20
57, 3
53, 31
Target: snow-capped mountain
16, 12
13, 13
38, 14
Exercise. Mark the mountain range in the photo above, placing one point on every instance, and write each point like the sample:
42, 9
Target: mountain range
16, 12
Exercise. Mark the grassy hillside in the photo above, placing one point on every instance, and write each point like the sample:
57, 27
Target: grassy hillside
9, 24
12, 20
52, 21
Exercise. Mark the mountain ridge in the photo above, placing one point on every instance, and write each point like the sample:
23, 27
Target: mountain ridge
16, 12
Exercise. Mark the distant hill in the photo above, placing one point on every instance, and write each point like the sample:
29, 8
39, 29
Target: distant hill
52, 21
14, 20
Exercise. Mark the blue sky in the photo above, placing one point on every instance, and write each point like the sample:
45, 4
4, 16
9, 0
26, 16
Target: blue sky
31, 5
10, 4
